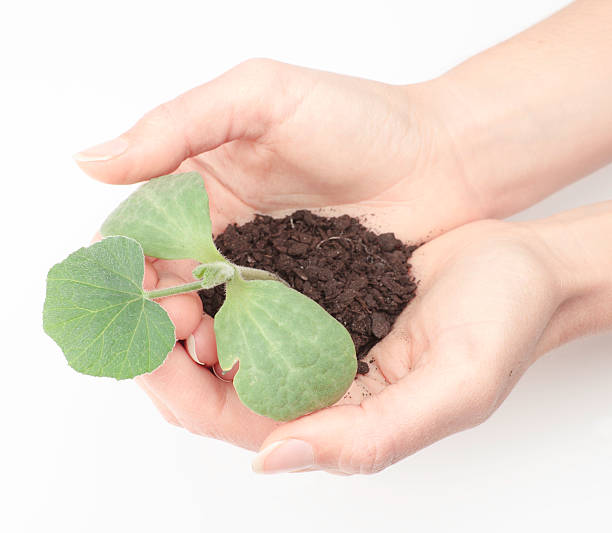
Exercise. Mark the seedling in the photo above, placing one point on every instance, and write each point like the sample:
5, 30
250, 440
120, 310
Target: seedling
294, 357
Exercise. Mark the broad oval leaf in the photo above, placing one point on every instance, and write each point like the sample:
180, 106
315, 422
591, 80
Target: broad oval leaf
169, 217
294, 357
97, 312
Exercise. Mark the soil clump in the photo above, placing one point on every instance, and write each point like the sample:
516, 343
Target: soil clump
360, 278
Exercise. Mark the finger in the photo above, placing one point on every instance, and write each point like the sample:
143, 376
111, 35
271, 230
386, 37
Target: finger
201, 344
233, 106
151, 278
388, 361
225, 375
181, 267
395, 356
161, 407
185, 310
363, 387
205, 405
431, 402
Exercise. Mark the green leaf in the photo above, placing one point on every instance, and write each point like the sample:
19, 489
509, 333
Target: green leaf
169, 217
97, 312
294, 357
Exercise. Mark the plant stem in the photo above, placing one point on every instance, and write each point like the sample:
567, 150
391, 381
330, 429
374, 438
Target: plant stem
171, 291
246, 272
249, 273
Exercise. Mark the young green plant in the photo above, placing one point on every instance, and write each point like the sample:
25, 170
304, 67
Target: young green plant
294, 357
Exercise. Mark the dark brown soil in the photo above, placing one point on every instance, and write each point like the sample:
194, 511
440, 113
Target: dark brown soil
361, 279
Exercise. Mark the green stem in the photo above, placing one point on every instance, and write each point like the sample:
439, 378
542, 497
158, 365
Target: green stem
171, 291
249, 273
246, 272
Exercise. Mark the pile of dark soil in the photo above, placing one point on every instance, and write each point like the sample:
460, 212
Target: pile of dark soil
360, 278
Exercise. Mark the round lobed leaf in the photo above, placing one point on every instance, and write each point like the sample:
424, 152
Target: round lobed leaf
97, 312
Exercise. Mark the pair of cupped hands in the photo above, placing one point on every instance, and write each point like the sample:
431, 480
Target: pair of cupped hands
271, 138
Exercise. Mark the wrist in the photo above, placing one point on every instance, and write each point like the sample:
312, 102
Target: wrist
578, 252
488, 135
494, 141
533, 114
506, 142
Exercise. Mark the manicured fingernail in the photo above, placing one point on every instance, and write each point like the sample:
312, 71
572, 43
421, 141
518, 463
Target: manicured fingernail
284, 456
191, 348
104, 151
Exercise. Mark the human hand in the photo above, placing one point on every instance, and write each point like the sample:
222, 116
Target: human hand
258, 161
492, 297
422, 159
270, 138
485, 140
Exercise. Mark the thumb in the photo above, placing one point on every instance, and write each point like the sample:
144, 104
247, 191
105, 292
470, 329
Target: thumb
231, 107
429, 403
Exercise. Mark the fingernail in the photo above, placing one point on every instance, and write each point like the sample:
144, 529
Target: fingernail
104, 151
220, 373
191, 348
284, 456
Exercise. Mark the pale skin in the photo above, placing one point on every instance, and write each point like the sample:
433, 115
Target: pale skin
490, 137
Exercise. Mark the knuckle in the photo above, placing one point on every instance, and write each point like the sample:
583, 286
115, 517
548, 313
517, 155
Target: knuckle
205, 428
163, 118
371, 449
372, 457
160, 115
196, 424
167, 120
171, 420
208, 421
259, 66
195, 428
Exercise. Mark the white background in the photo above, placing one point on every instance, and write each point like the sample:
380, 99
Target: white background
85, 454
